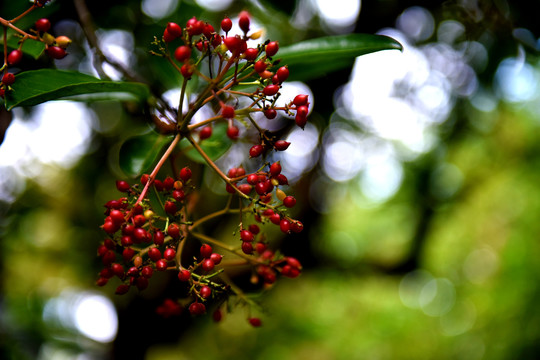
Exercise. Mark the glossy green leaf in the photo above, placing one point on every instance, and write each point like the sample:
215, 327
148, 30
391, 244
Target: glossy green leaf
36, 87
312, 58
139, 153
214, 147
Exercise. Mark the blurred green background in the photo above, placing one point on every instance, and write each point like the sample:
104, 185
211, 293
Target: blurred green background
417, 178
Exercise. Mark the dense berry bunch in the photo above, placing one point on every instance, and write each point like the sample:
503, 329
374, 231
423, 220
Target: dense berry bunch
55, 47
145, 237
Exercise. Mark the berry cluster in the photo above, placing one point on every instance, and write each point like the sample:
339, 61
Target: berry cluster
55, 47
146, 236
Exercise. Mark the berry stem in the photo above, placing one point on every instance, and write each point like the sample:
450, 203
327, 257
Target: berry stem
214, 166
26, 12
224, 211
152, 176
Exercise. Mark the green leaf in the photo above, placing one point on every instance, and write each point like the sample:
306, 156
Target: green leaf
36, 87
214, 147
312, 58
139, 153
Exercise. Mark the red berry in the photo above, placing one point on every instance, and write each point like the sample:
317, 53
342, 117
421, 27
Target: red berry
184, 275
255, 322
122, 289
226, 24
43, 25
197, 308
170, 207
302, 110
245, 188
282, 73
102, 281
122, 186
297, 226
117, 216
205, 132
110, 227
233, 43
275, 169
154, 254
207, 265
206, 251
300, 100
161, 265
243, 21
270, 113
232, 132
169, 254
118, 270
285, 225
301, 121
159, 237
271, 90
272, 48
182, 53
216, 258
260, 248
178, 195
254, 228
217, 315
168, 183
14, 57
167, 36
56, 52
205, 292
8, 79
208, 31
185, 174
128, 254
247, 248
275, 218
281, 145
289, 201
141, 283
158, 184
227, 111
174, 29
251, 54
147, 272
194, 26
126, 240
173, 231
139, 220
145, 178
256, 150
260, 66
246, 235
186, 70
253, 179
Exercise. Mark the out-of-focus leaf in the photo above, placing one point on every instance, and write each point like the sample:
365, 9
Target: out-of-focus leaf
311, 58
215, 146
138, 154
36, 87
